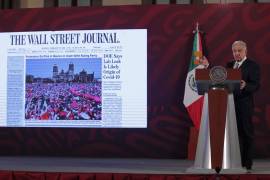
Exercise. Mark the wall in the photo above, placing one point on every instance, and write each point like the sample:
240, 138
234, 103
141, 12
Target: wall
169, 51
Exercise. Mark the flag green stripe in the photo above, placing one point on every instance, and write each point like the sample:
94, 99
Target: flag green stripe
192, 65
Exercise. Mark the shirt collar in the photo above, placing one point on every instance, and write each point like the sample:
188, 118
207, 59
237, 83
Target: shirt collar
241, 62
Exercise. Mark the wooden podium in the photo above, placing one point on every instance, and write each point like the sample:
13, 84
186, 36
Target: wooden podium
218, 144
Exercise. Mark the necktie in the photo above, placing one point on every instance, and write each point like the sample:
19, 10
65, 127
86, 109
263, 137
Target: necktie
236, 65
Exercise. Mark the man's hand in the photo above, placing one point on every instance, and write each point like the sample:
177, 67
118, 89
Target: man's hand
242, 84
204, 61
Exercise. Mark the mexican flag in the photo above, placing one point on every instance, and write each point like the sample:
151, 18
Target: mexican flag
192, 100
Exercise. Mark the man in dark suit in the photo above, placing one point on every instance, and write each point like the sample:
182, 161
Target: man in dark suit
244, 103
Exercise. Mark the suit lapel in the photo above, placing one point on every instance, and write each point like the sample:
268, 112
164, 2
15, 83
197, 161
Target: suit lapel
244, 69
244, 65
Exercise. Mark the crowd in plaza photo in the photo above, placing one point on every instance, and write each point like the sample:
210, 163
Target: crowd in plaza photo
63, 101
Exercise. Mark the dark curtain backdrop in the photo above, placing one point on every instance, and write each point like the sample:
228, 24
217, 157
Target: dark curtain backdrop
169, 50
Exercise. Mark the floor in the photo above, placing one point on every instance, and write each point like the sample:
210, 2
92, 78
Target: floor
113, 165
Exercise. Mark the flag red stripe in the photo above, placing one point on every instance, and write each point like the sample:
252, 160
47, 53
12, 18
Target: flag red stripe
199, 42
195, 112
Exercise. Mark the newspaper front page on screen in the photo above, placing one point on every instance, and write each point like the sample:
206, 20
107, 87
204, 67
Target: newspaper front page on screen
86, 78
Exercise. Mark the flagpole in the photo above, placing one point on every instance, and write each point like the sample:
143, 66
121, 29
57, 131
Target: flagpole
196, 28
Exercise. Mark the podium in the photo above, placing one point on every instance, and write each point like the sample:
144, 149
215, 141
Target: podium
218, 143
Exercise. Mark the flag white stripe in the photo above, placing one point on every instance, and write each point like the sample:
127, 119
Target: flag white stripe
190, 95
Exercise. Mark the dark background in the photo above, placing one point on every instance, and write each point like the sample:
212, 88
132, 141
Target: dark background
169, 42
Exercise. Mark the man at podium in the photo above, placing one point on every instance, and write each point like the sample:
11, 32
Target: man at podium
244, 103
243, 99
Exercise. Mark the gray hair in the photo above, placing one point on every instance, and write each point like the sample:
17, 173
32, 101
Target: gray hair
241, 43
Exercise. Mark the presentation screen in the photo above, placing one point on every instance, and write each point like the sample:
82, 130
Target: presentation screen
82, 78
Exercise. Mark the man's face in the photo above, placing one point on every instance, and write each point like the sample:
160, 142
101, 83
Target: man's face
239, 52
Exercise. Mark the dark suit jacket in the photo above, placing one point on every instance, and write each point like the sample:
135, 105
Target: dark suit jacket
244, 103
